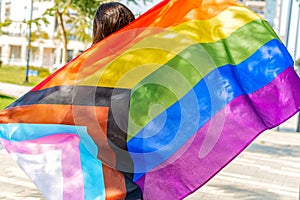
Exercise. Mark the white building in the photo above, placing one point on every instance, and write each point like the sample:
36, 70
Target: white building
45, 51
289, 27
258, 6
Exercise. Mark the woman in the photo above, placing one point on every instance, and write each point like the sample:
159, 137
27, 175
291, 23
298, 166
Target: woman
109, 18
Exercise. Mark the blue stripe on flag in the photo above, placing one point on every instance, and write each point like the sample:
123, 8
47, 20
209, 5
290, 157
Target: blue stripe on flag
94, 187
207, 98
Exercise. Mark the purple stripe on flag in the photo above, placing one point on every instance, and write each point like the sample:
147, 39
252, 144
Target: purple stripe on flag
222, 138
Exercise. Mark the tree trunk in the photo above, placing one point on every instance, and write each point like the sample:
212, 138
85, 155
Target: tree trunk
64, 36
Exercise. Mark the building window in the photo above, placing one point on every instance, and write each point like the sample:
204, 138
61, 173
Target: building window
61, 56
48, 59
70, 55
35, 52
15, 52
7, 10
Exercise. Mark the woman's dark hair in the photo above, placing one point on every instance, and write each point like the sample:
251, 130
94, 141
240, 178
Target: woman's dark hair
109, 18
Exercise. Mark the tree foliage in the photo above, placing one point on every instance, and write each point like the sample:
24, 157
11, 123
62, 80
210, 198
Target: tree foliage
77, 14
297, 62
38, 33
6, 23
75, 18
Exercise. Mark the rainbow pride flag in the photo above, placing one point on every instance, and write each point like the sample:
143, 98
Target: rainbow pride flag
156, 109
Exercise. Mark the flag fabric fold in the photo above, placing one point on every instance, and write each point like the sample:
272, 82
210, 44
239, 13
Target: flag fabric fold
156, 109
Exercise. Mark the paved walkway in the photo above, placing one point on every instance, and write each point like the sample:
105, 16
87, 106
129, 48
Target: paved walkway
13, 90
269, 169
14, 183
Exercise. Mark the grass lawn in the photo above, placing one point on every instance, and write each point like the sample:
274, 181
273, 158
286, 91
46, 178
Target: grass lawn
5, 101
16, 75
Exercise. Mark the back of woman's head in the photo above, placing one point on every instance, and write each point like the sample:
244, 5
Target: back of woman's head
109, 18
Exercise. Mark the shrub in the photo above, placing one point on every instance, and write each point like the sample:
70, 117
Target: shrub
42, 72
297, 62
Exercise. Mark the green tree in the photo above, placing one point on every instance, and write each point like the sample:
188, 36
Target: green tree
7, 22
38, 33
78, 14
74, 18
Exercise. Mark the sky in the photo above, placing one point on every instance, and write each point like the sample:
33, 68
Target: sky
141, 7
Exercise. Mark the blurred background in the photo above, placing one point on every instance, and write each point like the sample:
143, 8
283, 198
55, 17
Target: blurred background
57, 31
